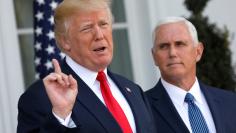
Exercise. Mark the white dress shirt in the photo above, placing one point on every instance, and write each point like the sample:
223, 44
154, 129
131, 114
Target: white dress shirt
177, 96
89, 77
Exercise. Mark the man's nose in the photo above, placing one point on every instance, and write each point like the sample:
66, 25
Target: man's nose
172, 51
98, 33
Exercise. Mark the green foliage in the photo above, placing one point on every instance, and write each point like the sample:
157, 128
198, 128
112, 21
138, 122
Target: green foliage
215, 66
195, 6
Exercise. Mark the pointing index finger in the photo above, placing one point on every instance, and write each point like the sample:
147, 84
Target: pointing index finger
56, 65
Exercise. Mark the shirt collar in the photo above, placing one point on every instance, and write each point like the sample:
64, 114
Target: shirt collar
177, 94
196, 92
88, 76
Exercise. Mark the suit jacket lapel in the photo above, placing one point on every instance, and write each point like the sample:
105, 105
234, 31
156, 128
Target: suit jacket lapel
92, 103
215, 106
137, 107
164, 105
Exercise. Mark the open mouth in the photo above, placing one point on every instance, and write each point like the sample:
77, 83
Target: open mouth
100, 49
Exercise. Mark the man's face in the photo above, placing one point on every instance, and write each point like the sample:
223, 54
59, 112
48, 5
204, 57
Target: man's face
174, 52
89, 39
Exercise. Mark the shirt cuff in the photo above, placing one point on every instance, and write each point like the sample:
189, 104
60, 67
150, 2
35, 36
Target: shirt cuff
67, 122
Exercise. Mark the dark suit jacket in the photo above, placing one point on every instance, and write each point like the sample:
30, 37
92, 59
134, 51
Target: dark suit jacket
89, 113
222, 105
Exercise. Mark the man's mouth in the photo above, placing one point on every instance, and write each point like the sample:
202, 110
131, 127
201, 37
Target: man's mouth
172, 64
100, 49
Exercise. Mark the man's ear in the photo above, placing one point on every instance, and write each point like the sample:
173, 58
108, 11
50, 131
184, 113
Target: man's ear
154, 57
64, 43
200, 49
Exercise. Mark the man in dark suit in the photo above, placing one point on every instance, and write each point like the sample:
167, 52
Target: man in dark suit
82, 96
179, 101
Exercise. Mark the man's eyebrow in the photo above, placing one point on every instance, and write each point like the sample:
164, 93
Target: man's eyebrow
163, 43
86, 23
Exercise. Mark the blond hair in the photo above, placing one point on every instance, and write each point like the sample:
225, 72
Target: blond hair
68, 8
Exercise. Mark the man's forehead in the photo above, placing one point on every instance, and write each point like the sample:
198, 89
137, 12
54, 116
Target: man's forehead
176, 26
172, 31
91, 15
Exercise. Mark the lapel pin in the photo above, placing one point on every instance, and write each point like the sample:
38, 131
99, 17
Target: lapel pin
128, 89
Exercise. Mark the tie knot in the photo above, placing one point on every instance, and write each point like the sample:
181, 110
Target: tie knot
101, 76
189, 98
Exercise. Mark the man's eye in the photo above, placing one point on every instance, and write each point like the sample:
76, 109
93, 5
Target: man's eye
180, 43
104, 24
163, 46
85, 29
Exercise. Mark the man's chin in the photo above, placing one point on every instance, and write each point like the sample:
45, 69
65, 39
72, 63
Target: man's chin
104, 63
175, 74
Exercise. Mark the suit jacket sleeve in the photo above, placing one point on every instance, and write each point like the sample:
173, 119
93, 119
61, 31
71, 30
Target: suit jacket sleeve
35, 113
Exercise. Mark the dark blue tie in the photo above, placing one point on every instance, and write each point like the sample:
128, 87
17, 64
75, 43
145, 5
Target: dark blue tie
197, 121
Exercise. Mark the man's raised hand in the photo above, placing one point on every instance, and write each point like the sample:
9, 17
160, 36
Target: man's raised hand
61, 90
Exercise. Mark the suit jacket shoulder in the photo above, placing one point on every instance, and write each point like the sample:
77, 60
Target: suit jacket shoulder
222, 105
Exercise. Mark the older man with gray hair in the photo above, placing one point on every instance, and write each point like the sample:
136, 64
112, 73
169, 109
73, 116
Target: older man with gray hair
180, 102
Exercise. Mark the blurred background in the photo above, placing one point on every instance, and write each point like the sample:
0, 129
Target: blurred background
132, 30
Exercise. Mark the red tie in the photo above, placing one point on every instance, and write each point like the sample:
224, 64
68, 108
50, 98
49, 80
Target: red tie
112, 105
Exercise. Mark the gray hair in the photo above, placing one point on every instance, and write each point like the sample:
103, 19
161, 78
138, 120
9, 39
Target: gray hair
191, 28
